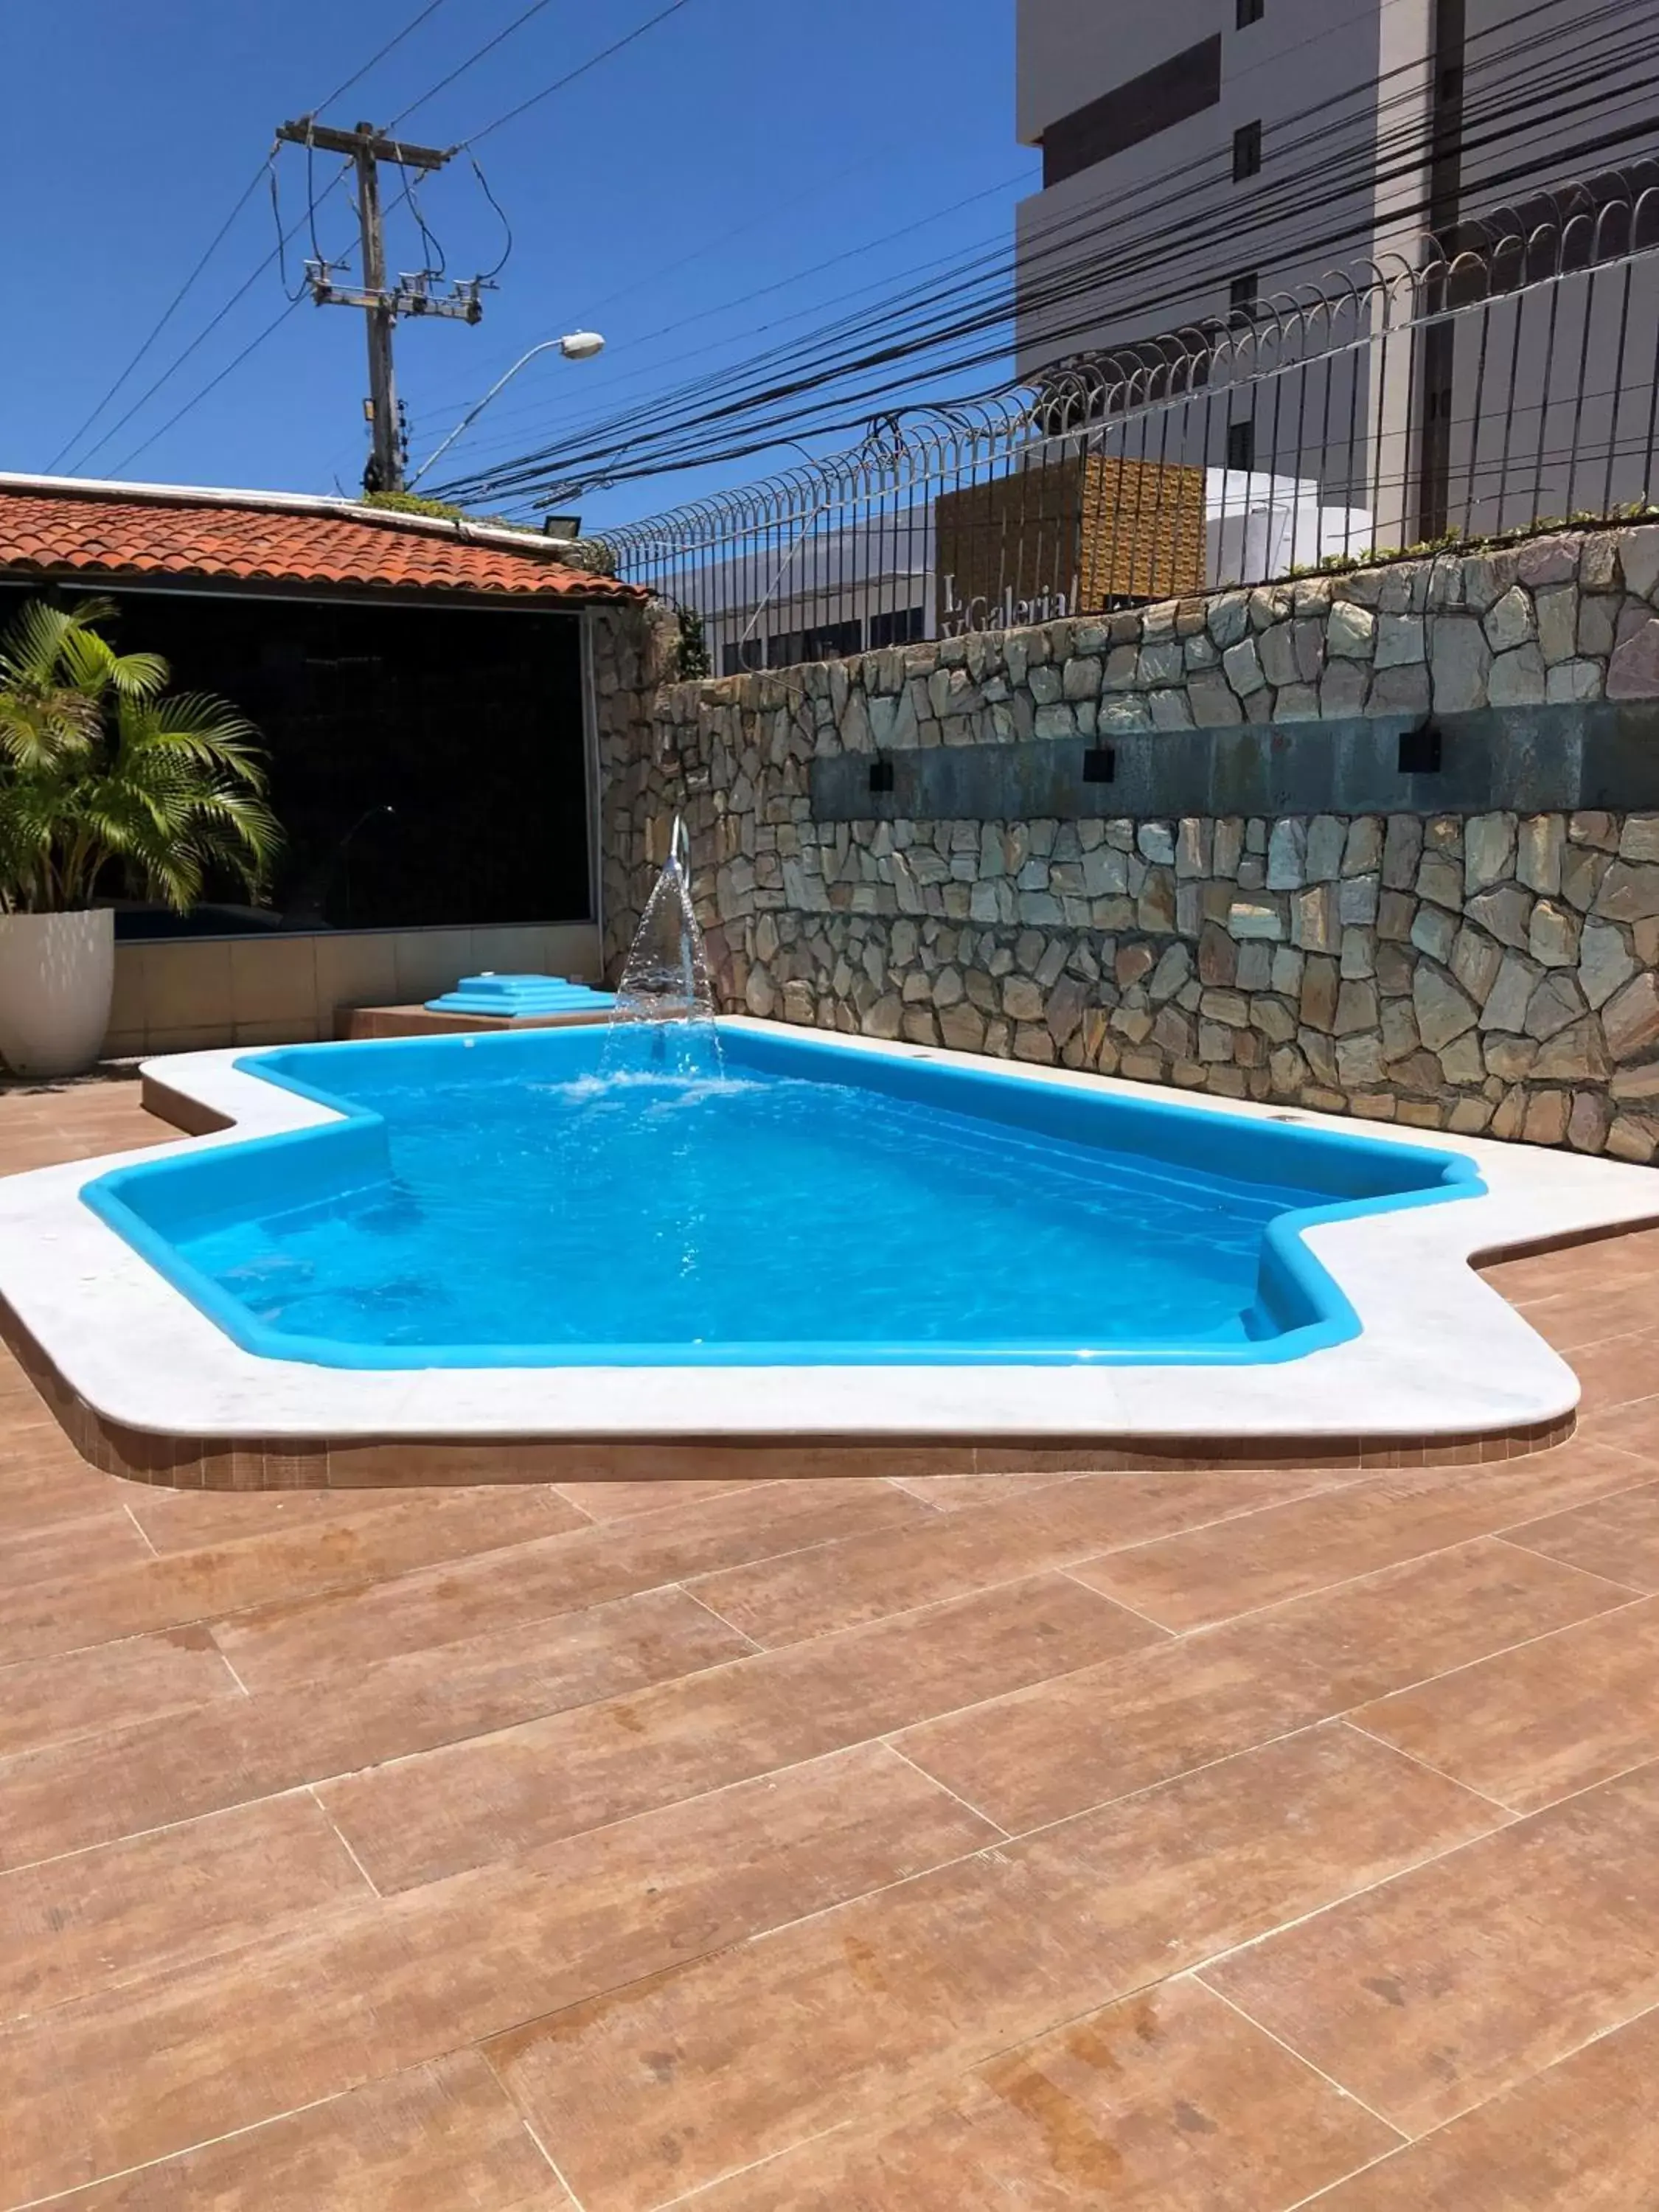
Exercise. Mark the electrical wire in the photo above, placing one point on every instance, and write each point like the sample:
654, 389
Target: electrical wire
163, 319
1159, 243
560, 84
745, 299
219, 235
311, 195
497, 123
206, 332
759, 434
296, 292
212, 385
1368, 10
429, 245
490, 275
471, 61
1313, 188
357, 75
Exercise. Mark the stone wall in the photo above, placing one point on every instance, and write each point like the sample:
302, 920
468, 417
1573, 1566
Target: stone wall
1338, 923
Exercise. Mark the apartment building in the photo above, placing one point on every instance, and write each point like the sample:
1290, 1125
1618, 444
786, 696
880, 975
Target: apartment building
1204, 157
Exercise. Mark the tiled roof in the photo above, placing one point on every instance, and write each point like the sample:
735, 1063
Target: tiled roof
113, 533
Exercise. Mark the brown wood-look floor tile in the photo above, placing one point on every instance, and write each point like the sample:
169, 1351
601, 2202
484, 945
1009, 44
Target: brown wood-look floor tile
79, 1924
1632, 1428
102, 1541
340, 1556
862, 1579
42, 1124
1573, 1319
242, 1748
44, 1483
1167, 2101
1617, 1537
1451, 1983
1583, 2137
661, 2088
478, 1802
197, 1520
1312, 1543
1617, 1370
1589, 1268
332, 1634
1138, 1720
440, 2138
80, 1693
144, 2071
621, 1499
952, 1494
1535, 1724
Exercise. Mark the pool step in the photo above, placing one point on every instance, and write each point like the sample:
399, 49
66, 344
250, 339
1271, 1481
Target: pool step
485, 1002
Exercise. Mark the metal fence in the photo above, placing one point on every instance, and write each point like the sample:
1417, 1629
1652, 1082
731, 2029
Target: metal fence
1464, 389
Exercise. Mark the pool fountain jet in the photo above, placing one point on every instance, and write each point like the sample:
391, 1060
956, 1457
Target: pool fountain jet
664, 979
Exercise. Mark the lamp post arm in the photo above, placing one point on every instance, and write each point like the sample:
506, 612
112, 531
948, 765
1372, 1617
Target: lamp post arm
547, 345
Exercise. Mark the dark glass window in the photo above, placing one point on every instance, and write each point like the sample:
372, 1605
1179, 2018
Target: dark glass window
427, 762
1240, 445
902, 628
1185, 85
1250, 11
1243, 293
832, 640
1247, 151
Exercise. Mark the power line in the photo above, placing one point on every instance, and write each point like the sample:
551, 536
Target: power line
248, 191
762, 432
162, 320
1317, 183
559, 84
745, 299
205, 332
499, 122
296, 292
490, 275
471, 61
212, 385
357, 75
1367, 10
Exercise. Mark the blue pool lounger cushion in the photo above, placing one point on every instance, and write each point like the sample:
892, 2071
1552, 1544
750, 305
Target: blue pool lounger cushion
515, 997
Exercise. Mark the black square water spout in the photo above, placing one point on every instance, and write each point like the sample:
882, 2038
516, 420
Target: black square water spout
1420, 751
881, 775
1100, 765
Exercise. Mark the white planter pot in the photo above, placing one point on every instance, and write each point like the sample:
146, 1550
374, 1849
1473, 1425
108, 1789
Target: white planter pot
56, 979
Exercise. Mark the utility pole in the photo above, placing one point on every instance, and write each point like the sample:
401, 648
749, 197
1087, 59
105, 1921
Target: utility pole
381, 302
382, 383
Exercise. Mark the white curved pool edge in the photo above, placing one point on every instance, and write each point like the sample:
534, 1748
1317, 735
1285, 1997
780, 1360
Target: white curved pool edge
1439, 1353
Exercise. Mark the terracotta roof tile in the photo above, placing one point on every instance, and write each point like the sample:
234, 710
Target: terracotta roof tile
104, 534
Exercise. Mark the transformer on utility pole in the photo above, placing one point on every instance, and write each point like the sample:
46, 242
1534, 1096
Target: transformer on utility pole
382, 302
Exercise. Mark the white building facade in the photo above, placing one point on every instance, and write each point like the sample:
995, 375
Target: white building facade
1207, 161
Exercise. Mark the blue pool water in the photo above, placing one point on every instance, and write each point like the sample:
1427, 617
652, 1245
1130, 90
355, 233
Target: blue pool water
580, 1197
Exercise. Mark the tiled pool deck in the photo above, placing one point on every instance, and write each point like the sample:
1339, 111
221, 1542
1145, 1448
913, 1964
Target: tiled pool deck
1196, 1842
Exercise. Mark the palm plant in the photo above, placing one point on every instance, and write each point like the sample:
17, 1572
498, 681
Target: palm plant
108, 785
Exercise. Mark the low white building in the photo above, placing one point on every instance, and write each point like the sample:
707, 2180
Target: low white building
821, 593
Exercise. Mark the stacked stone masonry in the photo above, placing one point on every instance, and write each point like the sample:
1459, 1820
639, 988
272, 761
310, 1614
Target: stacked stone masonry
1496, 973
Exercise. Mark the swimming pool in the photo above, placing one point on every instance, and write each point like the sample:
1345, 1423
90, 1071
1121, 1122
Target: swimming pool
577, 1198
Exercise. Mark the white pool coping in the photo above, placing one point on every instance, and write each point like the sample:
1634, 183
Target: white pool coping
1439, 1354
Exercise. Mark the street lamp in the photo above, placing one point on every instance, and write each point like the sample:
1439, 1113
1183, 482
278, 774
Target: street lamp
578, 345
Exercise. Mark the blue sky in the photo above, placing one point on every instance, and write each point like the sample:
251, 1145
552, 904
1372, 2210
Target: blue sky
731, 148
